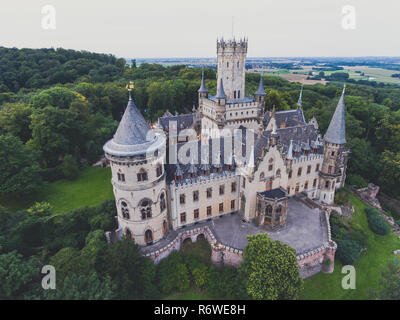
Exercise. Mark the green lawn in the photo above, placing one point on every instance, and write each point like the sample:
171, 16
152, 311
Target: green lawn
379, 251
91, 188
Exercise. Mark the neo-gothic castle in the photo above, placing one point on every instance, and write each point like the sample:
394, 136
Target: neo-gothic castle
283, 189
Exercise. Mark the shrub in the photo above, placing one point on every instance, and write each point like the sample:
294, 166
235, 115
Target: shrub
375, 222
342, 197
70, 167
348, 251
356, 180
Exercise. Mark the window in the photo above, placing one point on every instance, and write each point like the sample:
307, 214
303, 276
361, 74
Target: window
221, 207
262, 176
238, 64
327, 184
308, 169
333, 153
165, 226
270, 167
234, 94
182, 198
195, 195
183, 217
278, 172
306, 185
209, 211
317, 167
121, 177
268, 185
244, 182
268, 210
209, 192
124, 210
148, 236
233, 187
196, 213
330, 169
299, 171
159, 170
142, 175
221, 189
314, 183
232, 204
290, 174
238, 94
227, 64
162, 202
145, 208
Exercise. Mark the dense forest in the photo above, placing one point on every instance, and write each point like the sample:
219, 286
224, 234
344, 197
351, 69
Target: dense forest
58, 108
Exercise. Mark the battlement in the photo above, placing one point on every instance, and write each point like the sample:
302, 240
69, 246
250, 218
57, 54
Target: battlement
232, 45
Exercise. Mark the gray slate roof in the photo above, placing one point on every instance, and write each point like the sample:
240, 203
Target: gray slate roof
336, 132
203, 88
133, 127
221, 93
292, 118
260, 90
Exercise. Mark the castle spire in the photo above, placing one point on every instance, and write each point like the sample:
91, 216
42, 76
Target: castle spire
221, 93
336, 132
260, 91
299, 102
203, 88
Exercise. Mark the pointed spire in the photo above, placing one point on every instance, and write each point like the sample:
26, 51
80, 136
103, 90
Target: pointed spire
274, 127
221, 93
299, 102
290, 151
260, 90
203, 88
336, 132
133, 128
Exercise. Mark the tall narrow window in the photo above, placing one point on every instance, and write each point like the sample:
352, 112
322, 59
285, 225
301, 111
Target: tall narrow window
221, 189
142, 175
209, 212
232, 204
299, 171
308, 169
182, 199
159, 170
209, 192
121, 177
183, 217
238, 94
234, 94
124, 210
195, 195
162, 202
314, 183
221, 207
196, 213
233, 187
317, 168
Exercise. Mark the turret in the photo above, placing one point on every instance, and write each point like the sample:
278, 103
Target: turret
203, 92
136, 155
260, 94
332, 171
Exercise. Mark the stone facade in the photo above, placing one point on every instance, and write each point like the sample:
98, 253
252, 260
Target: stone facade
160, 204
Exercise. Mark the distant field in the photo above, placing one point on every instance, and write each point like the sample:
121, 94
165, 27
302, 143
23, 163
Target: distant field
91, 188
372, 74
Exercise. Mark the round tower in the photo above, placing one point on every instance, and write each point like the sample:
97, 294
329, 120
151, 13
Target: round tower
136, 155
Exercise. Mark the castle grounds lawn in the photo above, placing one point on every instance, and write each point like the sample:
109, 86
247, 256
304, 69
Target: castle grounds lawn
379, 252
90, 189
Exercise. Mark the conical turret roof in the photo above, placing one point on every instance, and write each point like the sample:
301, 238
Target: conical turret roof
336, 132
133, 127
221, 93
203, 88
260, 91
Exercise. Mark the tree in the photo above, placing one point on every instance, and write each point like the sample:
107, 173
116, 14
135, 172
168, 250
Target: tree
390, 282
19, 169
16, 274
270, 269
83, 287
41, 209
70, 167
15, 119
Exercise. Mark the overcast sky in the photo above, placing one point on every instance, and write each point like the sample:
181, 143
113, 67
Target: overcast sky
187, 28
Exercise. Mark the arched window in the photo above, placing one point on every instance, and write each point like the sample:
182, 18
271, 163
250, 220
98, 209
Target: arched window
278, 172
162, 202
145, 208
262, 176
148, 236
165, 226
159, 170
128, 234
142, 175
278, 210
268, 210
124, 210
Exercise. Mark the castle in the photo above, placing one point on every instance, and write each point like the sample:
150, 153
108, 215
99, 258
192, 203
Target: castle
228, 169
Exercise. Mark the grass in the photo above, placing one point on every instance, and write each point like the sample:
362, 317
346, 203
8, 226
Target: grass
90, 189
379, 252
